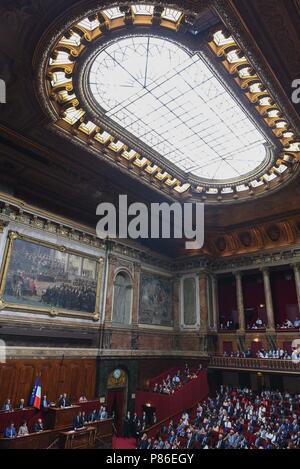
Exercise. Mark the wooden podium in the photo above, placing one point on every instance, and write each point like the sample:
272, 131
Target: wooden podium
61, 418
82, 438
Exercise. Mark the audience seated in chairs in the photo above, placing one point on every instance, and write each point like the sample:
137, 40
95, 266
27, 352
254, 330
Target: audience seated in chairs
289, 324
234, 419
171, 384
227, 325
135, 425
275, 354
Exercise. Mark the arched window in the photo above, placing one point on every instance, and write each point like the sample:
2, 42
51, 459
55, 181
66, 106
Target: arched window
189, 302
122, 299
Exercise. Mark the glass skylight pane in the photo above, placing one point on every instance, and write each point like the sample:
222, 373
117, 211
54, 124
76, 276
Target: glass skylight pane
176, 105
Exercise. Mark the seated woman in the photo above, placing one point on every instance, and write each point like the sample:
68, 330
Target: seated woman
23, 430
82, 399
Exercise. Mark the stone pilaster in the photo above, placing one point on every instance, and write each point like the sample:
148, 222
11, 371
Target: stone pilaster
203, 302
176, 302
136, 294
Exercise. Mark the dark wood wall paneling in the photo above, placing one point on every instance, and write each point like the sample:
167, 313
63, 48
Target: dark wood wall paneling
75, 377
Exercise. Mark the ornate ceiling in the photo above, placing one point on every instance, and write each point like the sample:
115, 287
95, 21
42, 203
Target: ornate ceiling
59, 165
67, 98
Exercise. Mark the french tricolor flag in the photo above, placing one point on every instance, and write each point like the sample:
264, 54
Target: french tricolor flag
36, 395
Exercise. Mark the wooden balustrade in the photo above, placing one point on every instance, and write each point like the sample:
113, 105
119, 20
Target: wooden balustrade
254, 363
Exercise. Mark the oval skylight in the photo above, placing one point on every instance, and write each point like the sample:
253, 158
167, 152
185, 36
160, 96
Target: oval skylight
176, 105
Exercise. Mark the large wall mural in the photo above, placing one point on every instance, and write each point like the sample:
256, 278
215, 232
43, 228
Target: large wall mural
38, 276
155, 300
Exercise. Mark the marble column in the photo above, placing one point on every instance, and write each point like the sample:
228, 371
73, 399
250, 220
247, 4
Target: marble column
296, 268
203, 301
240, 301
268, 299
215, 301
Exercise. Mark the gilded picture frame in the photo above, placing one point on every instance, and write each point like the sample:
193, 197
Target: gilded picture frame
7, 305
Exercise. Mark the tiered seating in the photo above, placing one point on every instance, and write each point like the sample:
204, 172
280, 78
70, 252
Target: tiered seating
234, 419
184, 398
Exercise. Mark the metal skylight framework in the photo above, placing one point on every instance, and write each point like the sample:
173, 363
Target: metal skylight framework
174, 103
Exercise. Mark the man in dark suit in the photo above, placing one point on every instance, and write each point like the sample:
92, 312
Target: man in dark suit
21, 404
78, 421
45, 402
64, 401
39, 426
190, 442
7, 407
10, 432
93, 416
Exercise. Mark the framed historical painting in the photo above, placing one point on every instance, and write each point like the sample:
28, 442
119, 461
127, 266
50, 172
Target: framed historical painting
155, 300
42, 277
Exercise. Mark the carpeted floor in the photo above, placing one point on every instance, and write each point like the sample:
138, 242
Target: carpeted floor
123, 443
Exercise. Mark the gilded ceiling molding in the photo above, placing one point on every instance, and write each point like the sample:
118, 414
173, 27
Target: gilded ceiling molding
229, 44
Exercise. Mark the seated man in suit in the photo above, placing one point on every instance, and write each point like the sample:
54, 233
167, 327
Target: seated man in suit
93, 416
7, 407
10, 432
103, 414
84, 417
23, 430
78, 421
39, 426
64, 401
45, 403
21, 404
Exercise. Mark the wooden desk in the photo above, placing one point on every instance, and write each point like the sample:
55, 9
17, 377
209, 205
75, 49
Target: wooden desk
102, 431
75, 439
60, 418
40, 440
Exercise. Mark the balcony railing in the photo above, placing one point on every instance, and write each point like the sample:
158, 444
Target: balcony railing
254, 363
